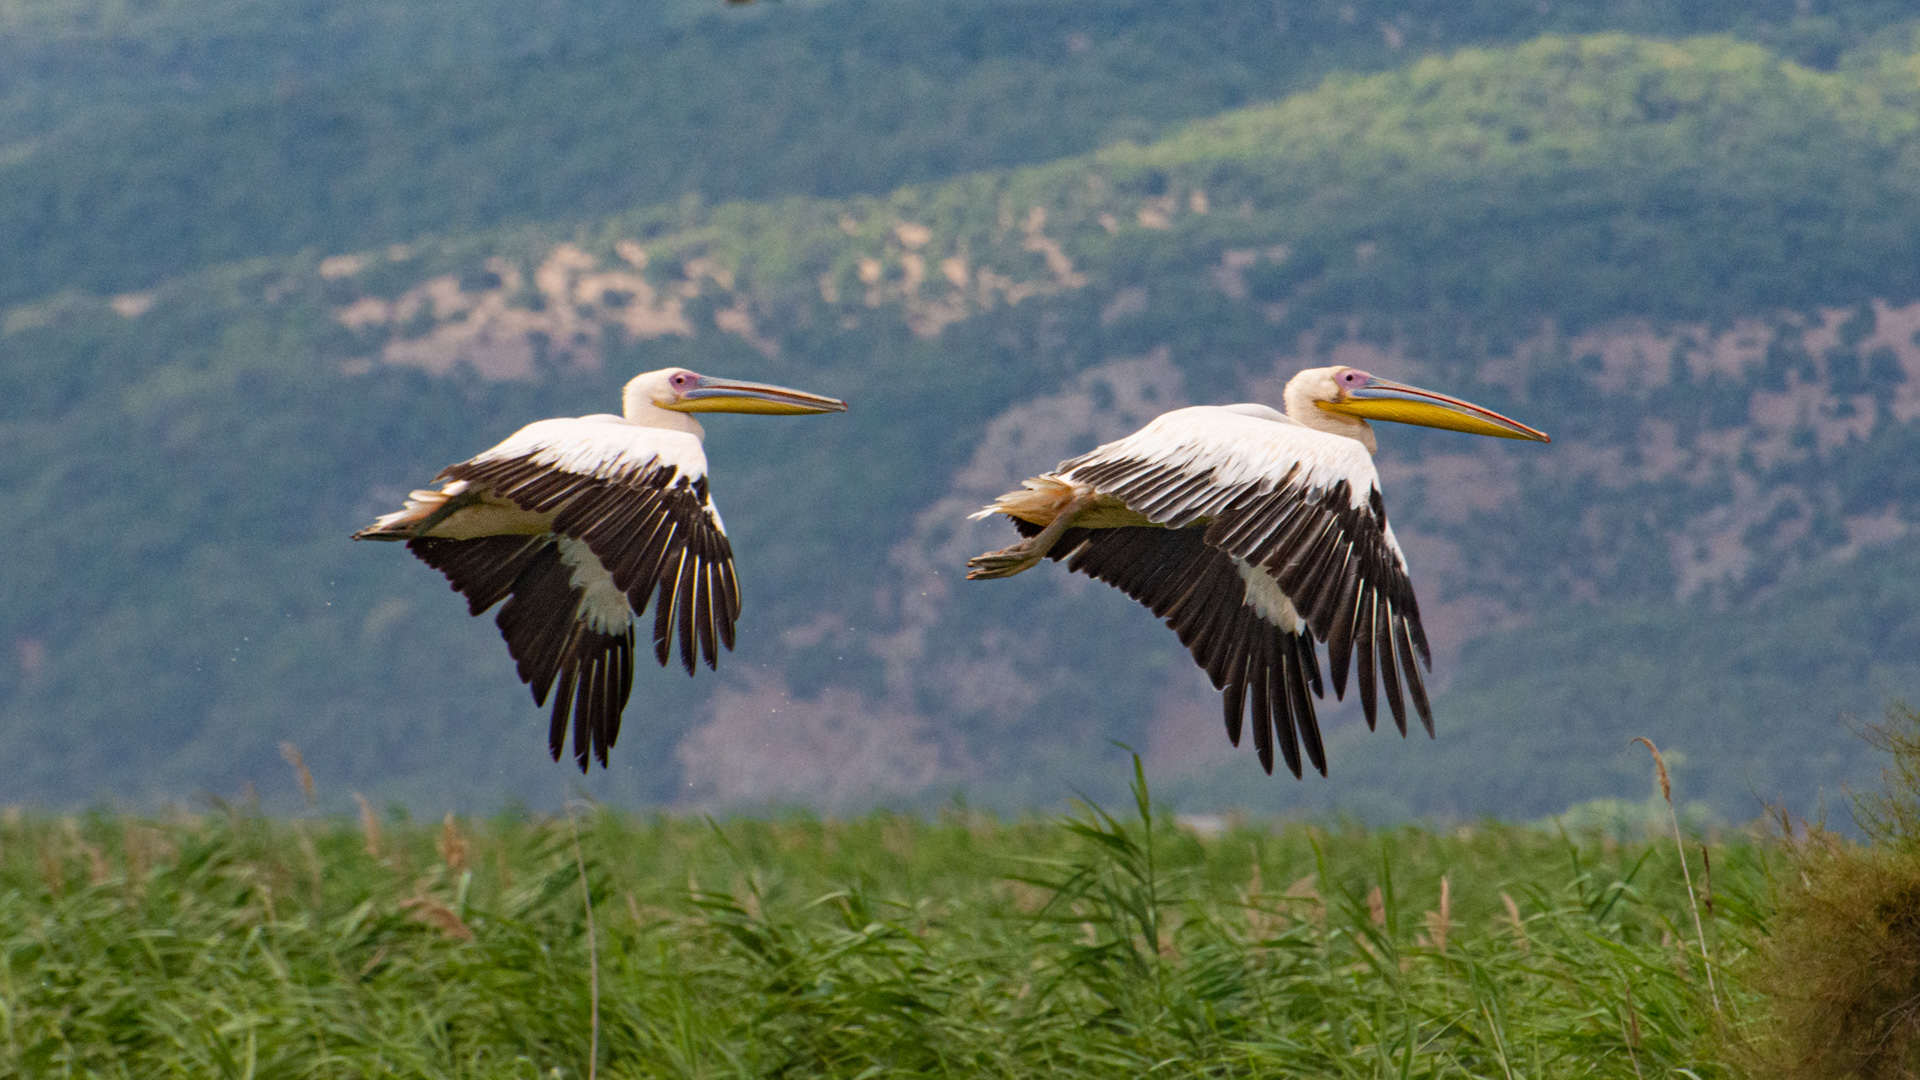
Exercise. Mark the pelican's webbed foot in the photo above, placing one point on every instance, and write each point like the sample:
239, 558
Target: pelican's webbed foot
1009, 561
1006, 562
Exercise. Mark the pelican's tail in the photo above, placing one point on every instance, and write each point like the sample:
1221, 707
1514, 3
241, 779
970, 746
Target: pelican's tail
1039, 500
423, 511
1045, 501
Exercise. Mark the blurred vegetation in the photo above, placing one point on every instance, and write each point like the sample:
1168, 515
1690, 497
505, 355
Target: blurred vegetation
227, 943
182, 477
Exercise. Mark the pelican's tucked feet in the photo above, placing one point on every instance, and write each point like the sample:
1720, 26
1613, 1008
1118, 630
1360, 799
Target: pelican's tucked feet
1009, 561
1006, 562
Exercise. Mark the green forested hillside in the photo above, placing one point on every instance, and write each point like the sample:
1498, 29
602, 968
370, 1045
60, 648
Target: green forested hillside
141, 142
1689, 260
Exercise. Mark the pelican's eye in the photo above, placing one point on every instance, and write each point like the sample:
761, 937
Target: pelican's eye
683, 380
1354, 378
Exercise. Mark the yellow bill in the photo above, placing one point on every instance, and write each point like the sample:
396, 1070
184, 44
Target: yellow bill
1373, 398
734, 396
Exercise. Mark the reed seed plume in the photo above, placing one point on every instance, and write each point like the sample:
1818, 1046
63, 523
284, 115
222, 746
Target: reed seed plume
1440, 920
1519, 924
434, 912
1306, 892
369, 826
291, 755
452, 845
1680, 848
1659, 770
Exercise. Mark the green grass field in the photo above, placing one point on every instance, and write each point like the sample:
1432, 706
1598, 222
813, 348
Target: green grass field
225, 943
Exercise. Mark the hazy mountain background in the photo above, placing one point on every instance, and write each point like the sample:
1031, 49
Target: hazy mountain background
265, 267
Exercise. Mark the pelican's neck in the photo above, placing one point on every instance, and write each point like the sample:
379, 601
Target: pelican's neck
1300, 407
642, 412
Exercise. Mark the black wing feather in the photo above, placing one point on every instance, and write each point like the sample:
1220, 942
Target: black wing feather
1330, 555
1262, 709
1283, 721
1332, 558
550, 643
645, 525
1197, 589
1325, 551
655, 534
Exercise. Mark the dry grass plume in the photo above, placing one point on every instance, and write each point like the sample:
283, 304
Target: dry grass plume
1680, 847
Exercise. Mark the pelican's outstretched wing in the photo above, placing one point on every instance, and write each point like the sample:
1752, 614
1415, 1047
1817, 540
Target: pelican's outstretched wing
638, 498
1261, 665
1296, 516
578, 525
563, 621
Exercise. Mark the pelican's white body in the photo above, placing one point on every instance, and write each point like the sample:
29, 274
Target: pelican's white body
576, 526
1275, 534
1225, 451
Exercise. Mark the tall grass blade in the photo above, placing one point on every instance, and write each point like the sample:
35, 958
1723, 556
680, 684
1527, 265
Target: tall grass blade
1679, 846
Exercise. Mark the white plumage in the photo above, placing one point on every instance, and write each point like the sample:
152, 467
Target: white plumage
603, 446
576, 526
1265, 597
603, 605
1236, 449
1252, 533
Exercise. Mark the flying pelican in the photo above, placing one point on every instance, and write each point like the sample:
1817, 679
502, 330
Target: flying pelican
1252, 533
577, 524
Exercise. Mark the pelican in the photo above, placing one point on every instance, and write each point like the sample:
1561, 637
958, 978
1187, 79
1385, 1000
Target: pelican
578, 524
1253, 533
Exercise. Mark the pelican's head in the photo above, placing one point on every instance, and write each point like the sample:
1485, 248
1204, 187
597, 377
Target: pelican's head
1342, 399
681, 391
